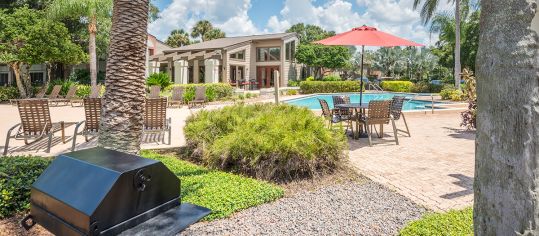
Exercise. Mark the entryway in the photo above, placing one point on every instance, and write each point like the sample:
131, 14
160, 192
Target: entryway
265, 76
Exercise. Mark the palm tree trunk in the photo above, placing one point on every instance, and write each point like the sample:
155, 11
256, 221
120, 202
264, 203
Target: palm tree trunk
92, 30
124, 99
506, 187
457, 45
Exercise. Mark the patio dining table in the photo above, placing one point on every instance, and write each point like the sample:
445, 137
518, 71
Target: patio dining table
358, 109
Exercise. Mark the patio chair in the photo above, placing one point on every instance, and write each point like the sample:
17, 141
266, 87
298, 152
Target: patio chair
200, 97
92, 112
155, 90
39, 95
155, 118
67, 99
35, 123
55, 93
396, 112
329, 116
95, 91
177, 97
379, 113
343, 114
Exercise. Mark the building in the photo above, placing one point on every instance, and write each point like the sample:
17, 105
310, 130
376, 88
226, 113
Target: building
38, 73
236, 60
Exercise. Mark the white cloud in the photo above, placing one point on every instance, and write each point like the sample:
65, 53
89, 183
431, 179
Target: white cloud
230, 16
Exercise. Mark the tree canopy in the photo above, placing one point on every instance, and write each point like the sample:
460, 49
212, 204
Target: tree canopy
178, 38
309, 33
206, 31
320, 56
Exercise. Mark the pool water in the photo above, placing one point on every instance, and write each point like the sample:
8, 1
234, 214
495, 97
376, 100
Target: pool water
312, 103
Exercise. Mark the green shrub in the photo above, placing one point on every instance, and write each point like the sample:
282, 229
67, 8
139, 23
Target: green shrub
17, 173
308, 87
214, 91
424, 87
451, 93
435, 88
450, 223
397, 86
85, 90
293, 83
272, 142
7, 93
457, 96
291, 92
310, 78
82, 76
331, 78
161, 79
222, 192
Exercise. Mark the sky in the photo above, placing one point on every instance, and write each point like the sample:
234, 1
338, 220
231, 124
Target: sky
248, 17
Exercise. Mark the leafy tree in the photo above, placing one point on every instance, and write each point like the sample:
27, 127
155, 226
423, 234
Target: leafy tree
214, 33
320, 57
309, 33
178, 38
90, 12
153, 12
33, 4
200, 29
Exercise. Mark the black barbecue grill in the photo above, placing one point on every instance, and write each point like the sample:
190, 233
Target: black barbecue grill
104, 192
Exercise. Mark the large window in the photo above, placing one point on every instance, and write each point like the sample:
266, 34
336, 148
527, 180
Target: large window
268, 54
238, 55
37, 78
290, 48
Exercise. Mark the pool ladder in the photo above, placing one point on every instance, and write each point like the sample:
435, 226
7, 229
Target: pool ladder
375, 87
425, 95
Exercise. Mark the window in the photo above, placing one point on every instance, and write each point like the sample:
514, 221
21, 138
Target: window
37, 78
268, 54
151, 51
3, 79
238, 55
290, 48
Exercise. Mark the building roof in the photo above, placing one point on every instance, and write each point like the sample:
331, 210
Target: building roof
229, 41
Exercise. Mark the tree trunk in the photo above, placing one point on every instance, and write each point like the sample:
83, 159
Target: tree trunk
27, 80
506, 187
457, 45
16, 67
92, 30
124, 99
49, 74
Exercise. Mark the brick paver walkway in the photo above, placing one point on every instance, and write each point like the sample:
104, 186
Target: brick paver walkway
434, 167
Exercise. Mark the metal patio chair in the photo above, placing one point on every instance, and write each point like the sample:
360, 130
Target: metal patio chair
92, 112
67, 99
379, 113
177, 97
396, 112
35, 123
155, 90
155, 118
330, 116
39, 95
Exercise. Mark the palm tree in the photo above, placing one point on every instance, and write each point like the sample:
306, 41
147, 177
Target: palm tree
200, 29
89, 11
428, 10
178, 38
124, 99
214, 33
506, 180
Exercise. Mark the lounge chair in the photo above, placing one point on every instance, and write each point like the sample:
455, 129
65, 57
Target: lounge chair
155, 90
35, 123
67, 99
95, 91
39, 95
55, 93
396, 112
200, 97
379, 113
155, 118
330, 116
92, 112
177, 97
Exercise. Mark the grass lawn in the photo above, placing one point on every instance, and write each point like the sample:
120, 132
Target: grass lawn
222, 192
450, 223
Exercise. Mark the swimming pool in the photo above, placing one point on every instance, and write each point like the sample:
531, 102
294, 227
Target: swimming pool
312, 103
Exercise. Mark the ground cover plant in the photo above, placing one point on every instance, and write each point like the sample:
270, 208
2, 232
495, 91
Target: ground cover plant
223, 193
454, 223
267, 141
308, 87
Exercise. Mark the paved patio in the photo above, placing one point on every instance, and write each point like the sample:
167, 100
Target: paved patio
434, 167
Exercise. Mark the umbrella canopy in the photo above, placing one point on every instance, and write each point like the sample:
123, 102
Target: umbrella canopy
367, 36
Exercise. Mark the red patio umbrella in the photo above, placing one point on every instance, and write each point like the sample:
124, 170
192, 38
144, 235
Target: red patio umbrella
366, 36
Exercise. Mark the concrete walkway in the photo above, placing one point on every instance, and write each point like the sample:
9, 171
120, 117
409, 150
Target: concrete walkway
434, 167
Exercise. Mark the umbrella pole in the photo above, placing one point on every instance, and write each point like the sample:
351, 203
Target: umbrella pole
361, 76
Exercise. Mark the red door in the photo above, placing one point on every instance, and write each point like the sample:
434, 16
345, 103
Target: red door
265, 76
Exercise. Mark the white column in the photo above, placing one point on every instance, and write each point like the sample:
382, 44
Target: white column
181, 72
170, 63
211, 68
196, 71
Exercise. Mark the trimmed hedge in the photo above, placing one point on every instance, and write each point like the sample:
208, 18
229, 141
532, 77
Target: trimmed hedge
397, 86
7, 93
267, 141
214, 92
308, 87
423, 87
17, 173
